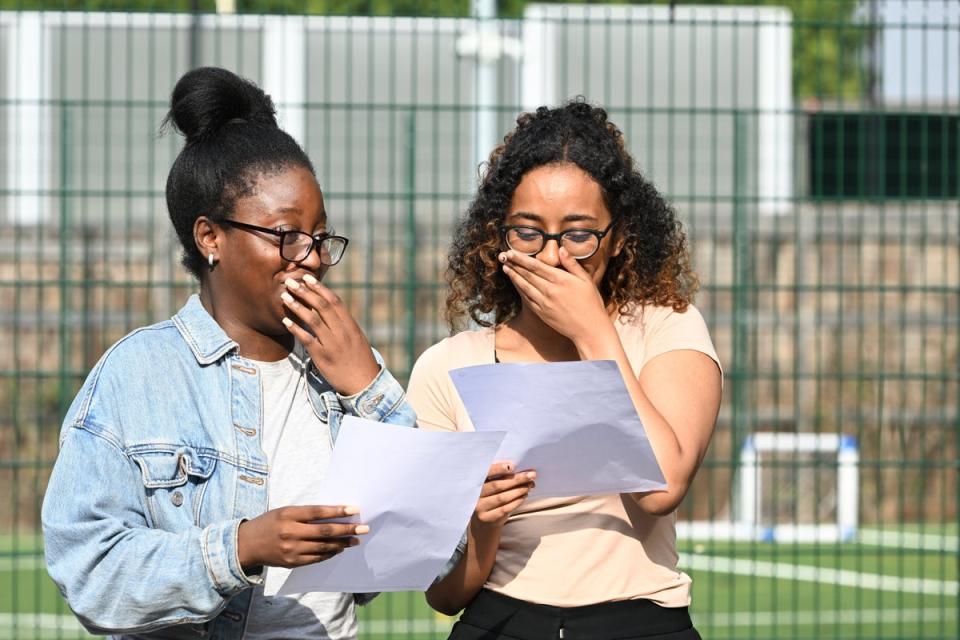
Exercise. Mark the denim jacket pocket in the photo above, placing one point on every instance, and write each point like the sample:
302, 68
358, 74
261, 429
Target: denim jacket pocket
175, 480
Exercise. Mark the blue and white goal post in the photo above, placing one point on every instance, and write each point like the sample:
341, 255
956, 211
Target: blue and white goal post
776, 473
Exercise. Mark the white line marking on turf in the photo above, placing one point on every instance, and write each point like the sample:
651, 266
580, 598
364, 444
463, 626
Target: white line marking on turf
909, 540
821, 618
823, 575
40, 625
40, 621
22, 563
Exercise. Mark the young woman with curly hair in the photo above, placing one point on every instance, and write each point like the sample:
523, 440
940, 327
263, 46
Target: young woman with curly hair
568, 253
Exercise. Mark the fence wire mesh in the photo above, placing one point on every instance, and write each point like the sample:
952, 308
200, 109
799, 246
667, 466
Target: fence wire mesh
812, 150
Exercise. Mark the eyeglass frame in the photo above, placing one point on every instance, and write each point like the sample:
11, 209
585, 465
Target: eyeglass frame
316, 240
600, 235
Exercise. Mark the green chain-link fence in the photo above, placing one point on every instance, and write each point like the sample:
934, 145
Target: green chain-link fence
813, 151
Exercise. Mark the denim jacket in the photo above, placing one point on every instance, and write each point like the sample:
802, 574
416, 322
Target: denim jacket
160, 460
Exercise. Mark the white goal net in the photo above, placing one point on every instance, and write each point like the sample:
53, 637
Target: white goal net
790, 487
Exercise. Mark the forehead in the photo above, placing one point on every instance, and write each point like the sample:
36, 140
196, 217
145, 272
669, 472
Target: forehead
291, 192
562, 189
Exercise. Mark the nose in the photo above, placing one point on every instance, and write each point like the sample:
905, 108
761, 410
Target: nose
550, 254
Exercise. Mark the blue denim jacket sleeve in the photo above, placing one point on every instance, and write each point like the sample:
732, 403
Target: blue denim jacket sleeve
383, 400
454, 559
97, 538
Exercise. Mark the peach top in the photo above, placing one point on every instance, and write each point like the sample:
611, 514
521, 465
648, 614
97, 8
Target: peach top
583, 549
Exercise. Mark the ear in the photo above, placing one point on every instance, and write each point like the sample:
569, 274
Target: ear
207, 235
618, 244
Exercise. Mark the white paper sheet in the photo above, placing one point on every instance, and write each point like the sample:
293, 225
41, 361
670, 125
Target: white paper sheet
416, 490
573, 422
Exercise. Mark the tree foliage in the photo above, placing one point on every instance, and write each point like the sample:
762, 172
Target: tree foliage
829, 46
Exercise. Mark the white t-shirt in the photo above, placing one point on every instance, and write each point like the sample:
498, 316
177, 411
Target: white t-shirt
298, 448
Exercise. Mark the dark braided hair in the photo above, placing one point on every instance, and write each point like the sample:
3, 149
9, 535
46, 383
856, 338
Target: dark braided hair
653, 266
232, 139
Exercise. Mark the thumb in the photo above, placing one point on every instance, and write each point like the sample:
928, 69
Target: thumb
572, 265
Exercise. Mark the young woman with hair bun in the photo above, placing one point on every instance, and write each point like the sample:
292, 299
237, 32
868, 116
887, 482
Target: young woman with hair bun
158, 518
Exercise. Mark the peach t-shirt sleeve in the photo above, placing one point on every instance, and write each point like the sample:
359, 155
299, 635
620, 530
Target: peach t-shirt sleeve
668, 330
429, 390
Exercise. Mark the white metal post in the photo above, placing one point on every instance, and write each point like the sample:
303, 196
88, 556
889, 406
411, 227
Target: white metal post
848, 488
749, 485
28, 124
485, 81
774, 119
284, 76
539, 73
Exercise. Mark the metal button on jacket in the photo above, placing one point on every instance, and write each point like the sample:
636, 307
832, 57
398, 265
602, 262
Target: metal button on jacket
370, 404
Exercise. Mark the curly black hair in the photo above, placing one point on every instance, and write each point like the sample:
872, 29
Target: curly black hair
653, 266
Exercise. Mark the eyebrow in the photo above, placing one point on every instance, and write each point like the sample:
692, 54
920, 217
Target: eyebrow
323, 222
570, 217
281, 210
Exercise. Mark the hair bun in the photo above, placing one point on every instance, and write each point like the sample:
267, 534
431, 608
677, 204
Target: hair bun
209, 98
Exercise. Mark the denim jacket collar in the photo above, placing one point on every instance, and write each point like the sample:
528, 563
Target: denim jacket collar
207, 340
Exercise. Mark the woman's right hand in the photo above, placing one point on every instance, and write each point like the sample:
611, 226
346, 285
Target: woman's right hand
503, 491
337, 345
290, 537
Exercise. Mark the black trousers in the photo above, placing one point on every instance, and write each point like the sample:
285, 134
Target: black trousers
492, 616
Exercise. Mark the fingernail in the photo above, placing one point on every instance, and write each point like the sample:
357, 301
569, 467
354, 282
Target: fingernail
354, 542
351, 510
293, 284
502, 257
309, 279
362, 528
531, 475
287, 322
286, 297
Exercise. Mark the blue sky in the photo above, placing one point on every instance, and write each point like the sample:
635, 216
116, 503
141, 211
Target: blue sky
920, 51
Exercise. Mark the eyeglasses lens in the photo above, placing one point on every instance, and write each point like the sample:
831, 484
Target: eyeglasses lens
331, 250
526, 241
579, 244
296, 246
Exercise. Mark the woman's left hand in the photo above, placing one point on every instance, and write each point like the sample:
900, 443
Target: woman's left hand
334, 340
564, 297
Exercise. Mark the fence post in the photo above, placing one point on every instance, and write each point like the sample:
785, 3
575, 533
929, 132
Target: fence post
64, 396
410, 241
742, 315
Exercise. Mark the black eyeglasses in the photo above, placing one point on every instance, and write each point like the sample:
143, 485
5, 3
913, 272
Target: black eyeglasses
295, 246
579, 243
